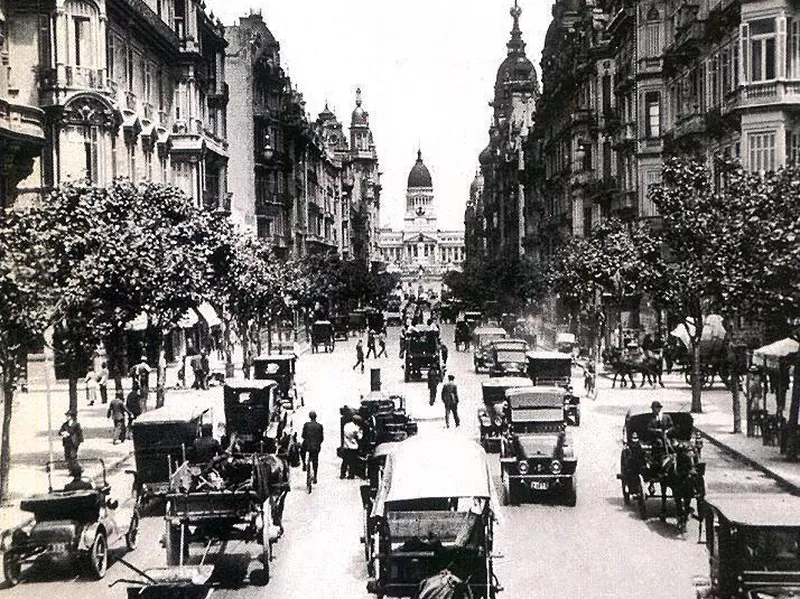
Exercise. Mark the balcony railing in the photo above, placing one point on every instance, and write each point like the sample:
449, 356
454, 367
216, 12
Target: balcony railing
84, 77
130, 100
148, 111
770, 92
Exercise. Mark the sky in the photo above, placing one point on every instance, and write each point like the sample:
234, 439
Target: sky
426, 69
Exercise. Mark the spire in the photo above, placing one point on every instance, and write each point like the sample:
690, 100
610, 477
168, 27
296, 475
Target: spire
358, 97
515, 44
419, 155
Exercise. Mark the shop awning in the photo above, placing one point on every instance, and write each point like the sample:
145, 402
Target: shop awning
208, 313
138, 324
188, 320
770, 354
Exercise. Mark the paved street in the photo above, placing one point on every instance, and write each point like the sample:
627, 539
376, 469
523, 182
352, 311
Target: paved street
599, 548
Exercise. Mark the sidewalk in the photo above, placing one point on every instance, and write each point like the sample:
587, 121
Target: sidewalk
715, 425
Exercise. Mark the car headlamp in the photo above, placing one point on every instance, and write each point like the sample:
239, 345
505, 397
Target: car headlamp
555, 467
497, 420
523, 467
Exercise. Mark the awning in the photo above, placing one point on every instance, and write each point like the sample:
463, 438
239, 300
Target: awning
208, 313
713, 330
138, 324
770, 354
188, 320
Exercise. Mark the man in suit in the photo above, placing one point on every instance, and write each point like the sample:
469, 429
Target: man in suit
312, 436
118, 413
661, 428
450, 401
71, 435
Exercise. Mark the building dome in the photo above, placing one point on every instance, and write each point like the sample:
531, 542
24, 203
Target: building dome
359, 116
516, 67
419, 176
485, 157
477, 184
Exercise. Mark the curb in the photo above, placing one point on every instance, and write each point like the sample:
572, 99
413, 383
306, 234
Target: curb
787, 485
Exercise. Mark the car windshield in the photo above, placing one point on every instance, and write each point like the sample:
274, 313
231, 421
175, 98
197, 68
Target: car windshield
772, 549
422, 344
552, 368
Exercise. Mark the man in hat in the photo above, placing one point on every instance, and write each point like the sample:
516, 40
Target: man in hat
71, 435
660, 427
312, 435
78, 483
450, 401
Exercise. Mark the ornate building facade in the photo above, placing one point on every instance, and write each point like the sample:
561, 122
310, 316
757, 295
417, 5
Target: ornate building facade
496, 215
421, 252
132, 89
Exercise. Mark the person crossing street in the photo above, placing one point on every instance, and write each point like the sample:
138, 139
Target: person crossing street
359, 355
450, 401
433, 384
371, 344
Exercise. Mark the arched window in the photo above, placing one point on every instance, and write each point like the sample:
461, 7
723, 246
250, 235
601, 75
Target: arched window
82, 33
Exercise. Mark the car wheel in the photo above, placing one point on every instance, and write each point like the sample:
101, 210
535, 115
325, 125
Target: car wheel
132, 536
12, 570
97, 557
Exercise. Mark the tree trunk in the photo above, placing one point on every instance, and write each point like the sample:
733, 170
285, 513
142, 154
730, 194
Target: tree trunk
737, 402
160, 370
792, 448
73, 384
116, 362
8, 369
244, 333
228, 348
697, 381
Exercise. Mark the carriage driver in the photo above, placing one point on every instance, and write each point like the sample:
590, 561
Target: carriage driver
661, 427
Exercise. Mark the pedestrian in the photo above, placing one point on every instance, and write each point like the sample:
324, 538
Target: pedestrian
359, 355
205, 369
382, 344
403, 334
312, 435
351, 436
141, 374
433, 384
371, 343
71, 435
443, 350
134, 404
102, 382
91, 386
450, 401
118, 414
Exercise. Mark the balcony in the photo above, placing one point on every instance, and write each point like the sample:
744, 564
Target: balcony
762, 93
651, 145
74, 78
218, 94
693, 123
22, 121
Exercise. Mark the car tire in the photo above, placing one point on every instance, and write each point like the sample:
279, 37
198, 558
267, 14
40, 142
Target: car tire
571, 494
12, 569
97, 557
132, 536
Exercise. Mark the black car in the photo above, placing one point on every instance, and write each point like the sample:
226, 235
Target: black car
555, 368
508, 357
422, 352
281, 368
492, 414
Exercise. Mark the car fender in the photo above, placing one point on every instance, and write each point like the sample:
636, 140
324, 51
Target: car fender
88, 534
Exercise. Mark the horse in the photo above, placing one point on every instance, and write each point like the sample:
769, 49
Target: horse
681, 472
648, 366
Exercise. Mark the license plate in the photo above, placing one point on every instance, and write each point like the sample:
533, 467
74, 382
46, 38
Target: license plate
58, 547
539, 485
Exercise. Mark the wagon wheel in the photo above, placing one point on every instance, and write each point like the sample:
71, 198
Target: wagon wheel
132, 536
12, 569
97, 557
172, 543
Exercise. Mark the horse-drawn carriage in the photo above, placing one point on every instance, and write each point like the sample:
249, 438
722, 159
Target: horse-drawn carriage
753, 542
254, 413
161, 438
434, 511
674, 463
281, 368
322, 335
536, 451
422, 352
712, 350
341, 330
80, 522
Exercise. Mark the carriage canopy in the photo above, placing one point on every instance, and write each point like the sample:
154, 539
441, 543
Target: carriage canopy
638, 423
435, 466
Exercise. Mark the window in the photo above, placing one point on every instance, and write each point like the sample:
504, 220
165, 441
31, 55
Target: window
762, 49
148, 166
131, 149
264, 228
110, 56
714, 96
793, 146
587, 221
652, 102
148, 82
793, 50
129, 68
762, 151
652, 34
91, 154
82, 41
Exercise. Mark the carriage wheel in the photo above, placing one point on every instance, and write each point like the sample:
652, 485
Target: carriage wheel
12, 569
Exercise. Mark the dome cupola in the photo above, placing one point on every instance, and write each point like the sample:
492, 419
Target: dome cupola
360, 116
419, 176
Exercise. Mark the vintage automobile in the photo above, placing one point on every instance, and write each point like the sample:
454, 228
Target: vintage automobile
212, 508
161, 438
422, 352
482, 337
639, 468
281, 368
537, 453
357, 321
492, 415
566, 342
375, 319
509, 322
753, 543
393, 315
555, 368
508, 357
81, 525
322, 335
427, 519
473, 318
341, 332
253, 412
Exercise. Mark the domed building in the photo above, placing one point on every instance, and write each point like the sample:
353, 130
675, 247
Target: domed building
421, 252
